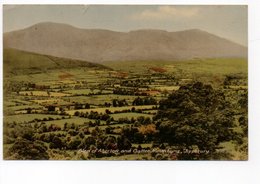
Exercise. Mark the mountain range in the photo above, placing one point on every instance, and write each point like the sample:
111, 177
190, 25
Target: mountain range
97, 45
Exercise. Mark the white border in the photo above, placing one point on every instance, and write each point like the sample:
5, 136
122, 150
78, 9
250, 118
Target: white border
215, 172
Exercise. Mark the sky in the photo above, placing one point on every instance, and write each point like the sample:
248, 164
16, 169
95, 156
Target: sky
228, 21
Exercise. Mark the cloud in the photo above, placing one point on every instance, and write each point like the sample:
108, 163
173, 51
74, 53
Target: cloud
166, 13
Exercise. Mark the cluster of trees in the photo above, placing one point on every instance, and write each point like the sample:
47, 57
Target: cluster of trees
29, 142
119, 103
107, 104
141, 120
94, 115
138, 83
24, 146
136, 101
140, 134
82, 106
132, 92
235, 79
195, 116
123, 91
243, 102
144, 101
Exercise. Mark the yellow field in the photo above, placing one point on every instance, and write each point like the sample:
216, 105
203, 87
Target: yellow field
47, 101
168, 88
42, 93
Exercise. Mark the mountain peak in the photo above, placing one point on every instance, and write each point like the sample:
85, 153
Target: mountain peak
195, 31
49, 25
43, 24
148, 30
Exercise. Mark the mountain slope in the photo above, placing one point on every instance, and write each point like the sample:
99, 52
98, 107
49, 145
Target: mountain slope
102, 45
18, 61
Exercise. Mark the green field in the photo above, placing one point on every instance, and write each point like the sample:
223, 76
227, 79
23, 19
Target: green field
43, 93
21, 118
75, 120
130, 115
86, 91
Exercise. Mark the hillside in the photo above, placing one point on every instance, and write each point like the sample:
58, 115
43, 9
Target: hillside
97, 45
18, 61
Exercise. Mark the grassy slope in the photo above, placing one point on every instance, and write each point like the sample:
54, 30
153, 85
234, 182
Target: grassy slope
30, 62
213, 66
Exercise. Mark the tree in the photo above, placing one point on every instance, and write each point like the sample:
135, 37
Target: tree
25, 132
76, 113
110, 142
87, 142
108, 130
123, 143
56, 143
24, 149
48, 93
114, 102
74, 143
108, 111
65, 126
138, 101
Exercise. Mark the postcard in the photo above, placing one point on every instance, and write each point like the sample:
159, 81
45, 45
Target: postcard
125, 82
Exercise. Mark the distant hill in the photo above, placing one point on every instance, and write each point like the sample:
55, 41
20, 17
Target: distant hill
97, 45
22, 61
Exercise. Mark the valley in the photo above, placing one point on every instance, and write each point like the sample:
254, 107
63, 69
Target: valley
73, 109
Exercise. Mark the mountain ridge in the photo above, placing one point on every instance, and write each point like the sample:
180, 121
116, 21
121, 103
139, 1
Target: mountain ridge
100, 45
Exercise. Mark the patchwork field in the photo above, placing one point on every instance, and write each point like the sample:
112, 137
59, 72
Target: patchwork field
138, 105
